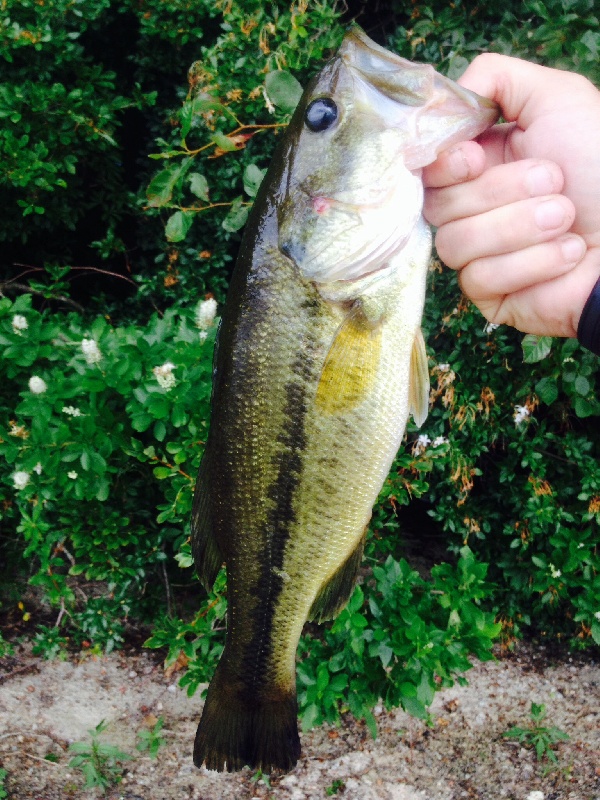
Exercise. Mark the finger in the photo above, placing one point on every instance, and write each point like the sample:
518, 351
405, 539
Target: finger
497, 276
523, 90
504, 230
462, 162
550, 308
498, 186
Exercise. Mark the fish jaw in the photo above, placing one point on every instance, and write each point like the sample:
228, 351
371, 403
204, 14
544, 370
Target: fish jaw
434, 110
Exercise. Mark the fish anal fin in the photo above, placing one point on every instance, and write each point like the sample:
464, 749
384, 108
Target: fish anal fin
334, 594
419, 381
207, 555
351, 365
238, 730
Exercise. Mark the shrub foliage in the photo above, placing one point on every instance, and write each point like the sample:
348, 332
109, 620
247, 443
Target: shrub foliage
104, 398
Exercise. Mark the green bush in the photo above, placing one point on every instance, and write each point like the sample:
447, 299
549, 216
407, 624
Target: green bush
104, 412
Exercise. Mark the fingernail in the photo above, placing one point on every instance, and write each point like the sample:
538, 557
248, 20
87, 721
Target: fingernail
572, 249
549, 215
539, 181
458, 164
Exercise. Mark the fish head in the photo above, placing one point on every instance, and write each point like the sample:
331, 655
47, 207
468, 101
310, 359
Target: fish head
365, 127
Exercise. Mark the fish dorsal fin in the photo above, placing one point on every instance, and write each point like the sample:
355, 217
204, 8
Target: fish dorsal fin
351, 365
335, 593
419, 381
207, 554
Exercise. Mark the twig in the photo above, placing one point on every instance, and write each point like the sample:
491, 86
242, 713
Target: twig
19, 670
23, 287
168, 590
43, 760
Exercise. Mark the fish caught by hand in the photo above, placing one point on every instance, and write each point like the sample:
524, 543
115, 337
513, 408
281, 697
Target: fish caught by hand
320, 360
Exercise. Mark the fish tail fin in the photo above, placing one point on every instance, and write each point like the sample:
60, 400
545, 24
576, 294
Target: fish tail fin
236, 731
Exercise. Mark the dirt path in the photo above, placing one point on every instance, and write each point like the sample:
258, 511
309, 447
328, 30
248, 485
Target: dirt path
45, 706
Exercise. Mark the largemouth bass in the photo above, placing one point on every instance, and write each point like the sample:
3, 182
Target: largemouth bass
319, 361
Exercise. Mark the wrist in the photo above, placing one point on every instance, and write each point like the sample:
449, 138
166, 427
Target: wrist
588, 329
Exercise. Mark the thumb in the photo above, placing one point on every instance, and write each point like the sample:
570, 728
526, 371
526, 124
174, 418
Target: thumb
524, 91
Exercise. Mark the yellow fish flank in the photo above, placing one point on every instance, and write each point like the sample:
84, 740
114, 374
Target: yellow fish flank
319, 362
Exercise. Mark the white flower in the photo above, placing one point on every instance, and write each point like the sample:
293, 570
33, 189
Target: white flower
164, 375
72, 474
20, 479
443, 367
556, 573
37, 385
491, 326
206, 311
521, 414
91, 351
421, 444
535, 795
38, 468
71, 411
439, 440
19, 323
597, 615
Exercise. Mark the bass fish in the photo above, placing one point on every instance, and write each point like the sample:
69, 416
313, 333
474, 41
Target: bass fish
320, 359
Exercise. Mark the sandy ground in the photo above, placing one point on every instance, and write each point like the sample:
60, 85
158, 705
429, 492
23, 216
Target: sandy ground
45, 706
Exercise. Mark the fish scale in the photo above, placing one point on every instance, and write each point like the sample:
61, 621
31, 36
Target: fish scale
319, 362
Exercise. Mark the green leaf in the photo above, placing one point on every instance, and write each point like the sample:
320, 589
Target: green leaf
582, 385
160, 189
547, 390
177, 226
224, 142
199, 185
535, 348
252, 179
283, 90
237, 216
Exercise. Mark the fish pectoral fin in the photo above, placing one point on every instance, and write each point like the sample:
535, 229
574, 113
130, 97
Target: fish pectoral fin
419, 381
351, 364
334, 594
207, 554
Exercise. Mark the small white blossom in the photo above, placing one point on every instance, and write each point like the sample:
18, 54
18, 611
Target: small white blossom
19, 323
91, 351
556, 573
206, 311
37, 385
491, 326
164, 375
443, 367
38, 468
20, 479
521, 414
421, 444
439, 440
71, 411
72, 474
535, 795
597, 615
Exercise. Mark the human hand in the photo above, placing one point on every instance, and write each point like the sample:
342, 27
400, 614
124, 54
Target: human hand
518, 211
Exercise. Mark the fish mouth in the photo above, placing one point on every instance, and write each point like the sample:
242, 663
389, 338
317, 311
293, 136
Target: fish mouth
436, 110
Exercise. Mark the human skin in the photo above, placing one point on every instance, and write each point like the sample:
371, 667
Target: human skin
518, 211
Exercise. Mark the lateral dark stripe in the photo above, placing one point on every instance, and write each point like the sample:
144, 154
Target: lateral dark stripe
288, 464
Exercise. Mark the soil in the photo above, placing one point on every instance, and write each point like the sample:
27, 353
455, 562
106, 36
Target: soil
47, 705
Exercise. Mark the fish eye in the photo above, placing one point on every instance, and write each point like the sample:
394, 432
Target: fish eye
321, 114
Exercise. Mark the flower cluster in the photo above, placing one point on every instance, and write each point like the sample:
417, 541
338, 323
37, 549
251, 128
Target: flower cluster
37, 385
91, 351
164, 375
205, 314
19, 323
